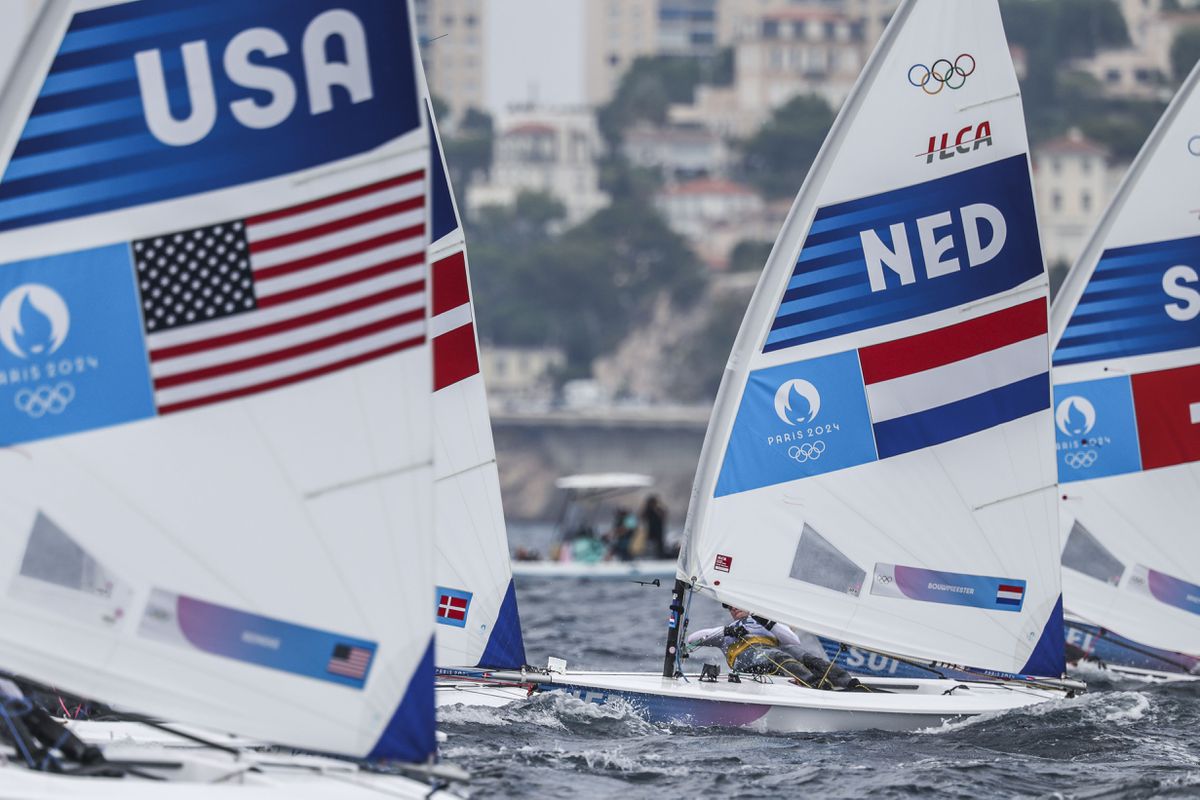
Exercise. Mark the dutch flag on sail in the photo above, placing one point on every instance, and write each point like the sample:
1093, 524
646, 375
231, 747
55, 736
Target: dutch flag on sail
1009, 594
951, 382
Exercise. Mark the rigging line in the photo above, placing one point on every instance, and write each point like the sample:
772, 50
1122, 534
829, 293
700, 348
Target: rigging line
360, 164
988, 102
314, 530
1041, 283
1016, 496
376, 477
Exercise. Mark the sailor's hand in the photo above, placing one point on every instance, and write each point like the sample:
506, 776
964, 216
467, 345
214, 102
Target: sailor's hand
735, 631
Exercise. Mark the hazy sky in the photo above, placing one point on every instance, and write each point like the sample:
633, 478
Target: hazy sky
534, 52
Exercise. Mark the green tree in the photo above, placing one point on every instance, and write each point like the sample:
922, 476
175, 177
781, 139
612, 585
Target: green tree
749, 255
1185, 51
584, 289
469, 151
777, 158
653, 83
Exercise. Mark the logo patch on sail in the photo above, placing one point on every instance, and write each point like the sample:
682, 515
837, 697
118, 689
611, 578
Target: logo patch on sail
239, 635
1095, 430
1165, 588
797, 421
71, 352
951, 588
219, 312
884, 400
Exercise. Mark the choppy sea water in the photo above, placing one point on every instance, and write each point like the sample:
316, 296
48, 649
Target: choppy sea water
1127, 740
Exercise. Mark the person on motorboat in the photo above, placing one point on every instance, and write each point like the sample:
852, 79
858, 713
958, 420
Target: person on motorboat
761, 646
654, 517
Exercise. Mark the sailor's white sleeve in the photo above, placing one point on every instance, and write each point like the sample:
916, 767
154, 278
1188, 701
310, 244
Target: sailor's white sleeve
786, 636
710, 637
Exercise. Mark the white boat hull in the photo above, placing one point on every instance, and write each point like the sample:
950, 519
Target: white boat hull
648, 569
481, 690
776, 705
202, 771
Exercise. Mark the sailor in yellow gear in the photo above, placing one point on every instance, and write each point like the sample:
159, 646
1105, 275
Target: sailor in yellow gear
756, 645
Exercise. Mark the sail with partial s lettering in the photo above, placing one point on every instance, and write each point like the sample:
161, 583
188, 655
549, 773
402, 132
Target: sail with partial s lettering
216, 460
1127, 398
478, 624
879, 466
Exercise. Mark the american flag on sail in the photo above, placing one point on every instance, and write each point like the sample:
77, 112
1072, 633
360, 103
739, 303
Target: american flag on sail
349, 661
253, 304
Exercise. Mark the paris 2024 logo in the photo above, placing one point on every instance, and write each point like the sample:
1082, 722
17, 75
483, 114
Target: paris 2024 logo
34, 323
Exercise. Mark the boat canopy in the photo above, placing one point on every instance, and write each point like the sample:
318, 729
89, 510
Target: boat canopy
604, 482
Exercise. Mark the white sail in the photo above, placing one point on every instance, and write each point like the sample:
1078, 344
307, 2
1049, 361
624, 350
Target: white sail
476, 602
1127, 398
879, 467
215, 411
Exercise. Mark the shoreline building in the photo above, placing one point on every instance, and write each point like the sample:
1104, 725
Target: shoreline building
551, 150
453, 37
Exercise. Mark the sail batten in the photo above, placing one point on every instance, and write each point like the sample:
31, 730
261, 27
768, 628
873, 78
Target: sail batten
876, 464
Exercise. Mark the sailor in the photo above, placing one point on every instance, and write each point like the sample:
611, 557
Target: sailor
761, 646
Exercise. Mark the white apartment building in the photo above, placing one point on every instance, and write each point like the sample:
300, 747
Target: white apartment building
1073, 182
616, 32
779, 54
454, 48
714, 214
551, 150
520, 370
680, 152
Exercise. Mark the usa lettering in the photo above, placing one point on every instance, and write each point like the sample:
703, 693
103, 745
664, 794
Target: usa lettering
980, 227
963, 142
1180, 283
263, 45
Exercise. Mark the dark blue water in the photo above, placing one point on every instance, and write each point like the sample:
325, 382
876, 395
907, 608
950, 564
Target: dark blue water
1119, 741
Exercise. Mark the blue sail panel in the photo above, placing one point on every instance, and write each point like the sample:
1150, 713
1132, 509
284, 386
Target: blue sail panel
506, 647
409, 736
116, 125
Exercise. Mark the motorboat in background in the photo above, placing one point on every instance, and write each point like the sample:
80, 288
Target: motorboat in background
585, 536
1127, 408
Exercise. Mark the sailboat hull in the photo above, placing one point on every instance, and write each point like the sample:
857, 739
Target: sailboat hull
776, 705
193, 770
1100, 651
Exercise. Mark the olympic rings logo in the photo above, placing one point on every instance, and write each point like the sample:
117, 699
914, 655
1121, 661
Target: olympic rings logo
944, 74
809, 451
1081, 460
1194, 145
45, 400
